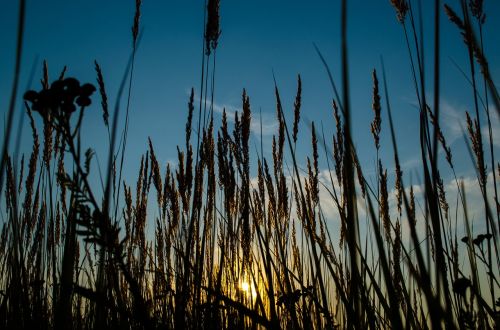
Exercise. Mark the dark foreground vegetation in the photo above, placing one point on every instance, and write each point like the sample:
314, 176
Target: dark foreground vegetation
237, 249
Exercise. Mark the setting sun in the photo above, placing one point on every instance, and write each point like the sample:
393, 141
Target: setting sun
248, 288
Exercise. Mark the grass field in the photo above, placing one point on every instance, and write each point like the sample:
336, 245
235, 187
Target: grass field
239, 241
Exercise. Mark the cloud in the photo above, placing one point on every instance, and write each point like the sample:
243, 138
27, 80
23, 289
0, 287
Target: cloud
476, 212
453, 123
495, 128
474, 201
268, 124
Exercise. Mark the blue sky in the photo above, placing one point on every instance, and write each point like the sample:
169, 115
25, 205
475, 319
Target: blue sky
258, 37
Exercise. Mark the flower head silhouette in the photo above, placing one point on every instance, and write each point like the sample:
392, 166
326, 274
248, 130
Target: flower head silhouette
61, 97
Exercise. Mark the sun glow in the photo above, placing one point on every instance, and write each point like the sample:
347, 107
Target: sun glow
248, 288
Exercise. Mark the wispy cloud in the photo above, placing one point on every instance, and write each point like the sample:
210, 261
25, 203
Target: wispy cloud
495, 128
474, 199
453, 123
476, 212
260, 121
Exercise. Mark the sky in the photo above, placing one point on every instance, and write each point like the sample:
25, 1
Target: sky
258, 38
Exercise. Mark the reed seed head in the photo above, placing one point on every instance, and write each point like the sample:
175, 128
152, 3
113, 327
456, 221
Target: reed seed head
102, 91
296, 109
401, 7
377, 120
212, 29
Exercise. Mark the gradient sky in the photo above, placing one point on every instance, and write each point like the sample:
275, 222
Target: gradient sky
258, 37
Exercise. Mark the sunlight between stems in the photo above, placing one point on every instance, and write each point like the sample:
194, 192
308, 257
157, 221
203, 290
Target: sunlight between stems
248, 289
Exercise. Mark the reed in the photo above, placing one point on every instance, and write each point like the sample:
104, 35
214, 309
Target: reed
236, 249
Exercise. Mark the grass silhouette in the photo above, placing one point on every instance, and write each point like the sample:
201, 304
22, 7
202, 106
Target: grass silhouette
232, 249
